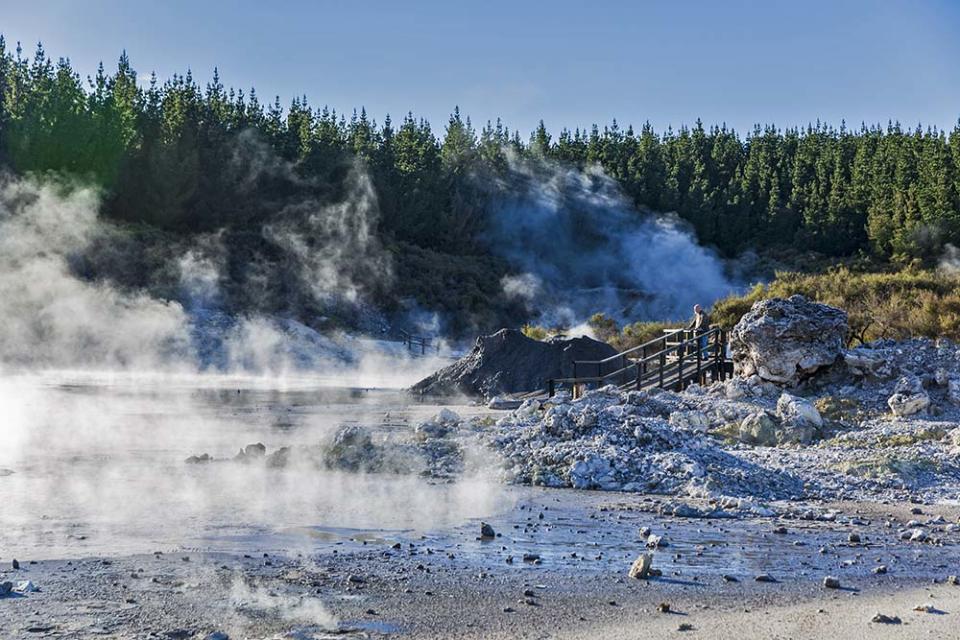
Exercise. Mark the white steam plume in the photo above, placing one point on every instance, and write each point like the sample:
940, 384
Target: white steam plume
334, 244
581, 248
49, 316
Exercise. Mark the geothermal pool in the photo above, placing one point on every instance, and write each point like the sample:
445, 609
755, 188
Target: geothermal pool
94, 464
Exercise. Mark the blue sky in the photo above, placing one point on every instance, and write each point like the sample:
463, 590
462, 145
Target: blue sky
569, 63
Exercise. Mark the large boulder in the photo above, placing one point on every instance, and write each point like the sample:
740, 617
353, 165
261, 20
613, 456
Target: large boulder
785, 340
510, 362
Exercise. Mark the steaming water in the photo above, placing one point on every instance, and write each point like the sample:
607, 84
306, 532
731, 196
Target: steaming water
98, 467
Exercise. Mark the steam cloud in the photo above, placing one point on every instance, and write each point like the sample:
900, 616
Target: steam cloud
53, 318
580, 248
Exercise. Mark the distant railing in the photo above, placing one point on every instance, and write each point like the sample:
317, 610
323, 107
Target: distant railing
672, 361
419, 345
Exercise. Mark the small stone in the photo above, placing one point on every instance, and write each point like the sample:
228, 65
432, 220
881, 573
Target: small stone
508, 609
216, 635
880, 570
764, 577
780, 530
26, 586
15, 564
925, 608
529, 593
831, 582
654, 541
487, 532
853, 538
663, 607
531, 557
640, 569
5, 588
954, 580
355, 579
880, 618
685, 626
729, 578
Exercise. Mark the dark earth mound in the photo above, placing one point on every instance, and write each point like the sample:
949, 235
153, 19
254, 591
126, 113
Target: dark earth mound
510, 362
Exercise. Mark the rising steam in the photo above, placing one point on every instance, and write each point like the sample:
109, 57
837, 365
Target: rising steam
580, 248
49, 316
54, 318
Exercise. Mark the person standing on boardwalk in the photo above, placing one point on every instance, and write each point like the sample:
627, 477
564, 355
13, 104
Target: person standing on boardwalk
700, 325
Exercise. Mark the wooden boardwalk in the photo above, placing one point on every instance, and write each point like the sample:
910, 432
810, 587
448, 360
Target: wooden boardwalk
673, 361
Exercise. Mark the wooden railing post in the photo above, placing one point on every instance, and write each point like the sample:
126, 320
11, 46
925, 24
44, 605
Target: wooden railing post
551, 387
699, 357
663, 365
718, 355
680, 351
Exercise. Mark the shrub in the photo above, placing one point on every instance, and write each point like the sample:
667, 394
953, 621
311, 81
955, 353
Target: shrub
895, 305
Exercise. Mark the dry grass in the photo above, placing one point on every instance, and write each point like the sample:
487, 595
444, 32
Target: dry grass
880, 305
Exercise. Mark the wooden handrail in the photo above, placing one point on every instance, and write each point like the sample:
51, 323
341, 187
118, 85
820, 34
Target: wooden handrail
663, 373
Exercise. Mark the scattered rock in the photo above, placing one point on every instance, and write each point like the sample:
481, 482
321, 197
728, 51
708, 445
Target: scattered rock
487, 532
5, 588
909, 397
831, 582
880, 569
853, 538
251, 452
881, 618
918, 535
764, 577
663, 607
26, 586
502, 403
953, 390
866, 361
640, 569
15, 564
655, 542
760, 429
798, 412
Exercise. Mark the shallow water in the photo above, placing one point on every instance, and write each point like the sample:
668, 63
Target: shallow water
98, 465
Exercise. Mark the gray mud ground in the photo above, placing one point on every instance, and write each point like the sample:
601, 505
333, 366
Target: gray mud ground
450, 584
